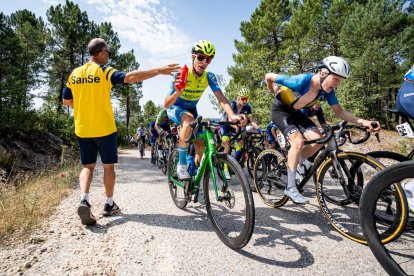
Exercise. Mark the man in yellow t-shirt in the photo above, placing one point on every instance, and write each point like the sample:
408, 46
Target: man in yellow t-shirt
88, 91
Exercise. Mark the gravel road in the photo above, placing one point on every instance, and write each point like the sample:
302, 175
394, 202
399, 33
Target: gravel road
153, 237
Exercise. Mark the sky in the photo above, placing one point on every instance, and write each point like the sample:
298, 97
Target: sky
162, 32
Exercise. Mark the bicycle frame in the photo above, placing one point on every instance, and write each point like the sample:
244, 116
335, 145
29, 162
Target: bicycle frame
206, 160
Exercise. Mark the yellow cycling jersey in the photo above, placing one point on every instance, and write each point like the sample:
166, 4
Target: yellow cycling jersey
91, 87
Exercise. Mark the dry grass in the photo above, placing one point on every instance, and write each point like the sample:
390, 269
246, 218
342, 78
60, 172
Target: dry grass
24, 207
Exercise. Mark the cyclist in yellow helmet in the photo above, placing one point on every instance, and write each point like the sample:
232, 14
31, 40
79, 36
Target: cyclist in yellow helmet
181, 104
241, 106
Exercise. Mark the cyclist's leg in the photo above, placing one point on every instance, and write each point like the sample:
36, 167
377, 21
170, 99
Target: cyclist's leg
284, 120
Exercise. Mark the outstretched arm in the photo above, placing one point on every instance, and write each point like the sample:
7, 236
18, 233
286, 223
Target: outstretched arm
140, 75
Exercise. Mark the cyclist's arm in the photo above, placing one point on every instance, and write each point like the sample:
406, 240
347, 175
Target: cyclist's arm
174, 93
225, 104
270, 79
253, 121
140, 75
345, 115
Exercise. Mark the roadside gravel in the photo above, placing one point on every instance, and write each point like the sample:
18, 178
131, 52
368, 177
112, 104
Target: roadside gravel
153, 237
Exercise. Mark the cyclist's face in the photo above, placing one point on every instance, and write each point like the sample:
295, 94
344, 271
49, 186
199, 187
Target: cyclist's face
201, 62
242, 100
331, 82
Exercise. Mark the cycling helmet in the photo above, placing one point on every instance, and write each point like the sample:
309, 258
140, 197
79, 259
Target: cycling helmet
244, 92
337, 66
204, 47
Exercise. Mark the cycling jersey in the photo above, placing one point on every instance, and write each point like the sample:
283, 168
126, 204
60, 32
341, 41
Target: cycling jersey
162, 118
296, 86
405, 96
142, 131
268, 133
247, 110
310, 112
89, 86
194, 88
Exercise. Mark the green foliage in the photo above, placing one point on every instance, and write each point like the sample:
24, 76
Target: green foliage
150, 112
291, 37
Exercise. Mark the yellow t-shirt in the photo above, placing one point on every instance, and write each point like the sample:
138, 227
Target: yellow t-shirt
92, 108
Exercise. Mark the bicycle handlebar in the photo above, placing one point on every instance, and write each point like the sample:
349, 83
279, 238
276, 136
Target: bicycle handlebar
195, 126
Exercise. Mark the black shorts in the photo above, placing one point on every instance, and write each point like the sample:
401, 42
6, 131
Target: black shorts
290, 121
106, 146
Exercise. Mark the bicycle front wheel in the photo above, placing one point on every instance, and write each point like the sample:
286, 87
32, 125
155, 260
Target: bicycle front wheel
339, 187
230, 203
270, 177
397, 258
177, 192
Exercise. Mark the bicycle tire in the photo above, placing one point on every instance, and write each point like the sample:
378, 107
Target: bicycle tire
344, 217
391, 176
164, 167
270, 177
252, 154
388, 157
141, 149
177, 193
233, 215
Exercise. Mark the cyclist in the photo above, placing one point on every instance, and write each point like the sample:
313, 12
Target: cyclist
162, 126
182, 104
405, 105
141, 135
271, 135
153, 139
241, 106
303, 90
405, 96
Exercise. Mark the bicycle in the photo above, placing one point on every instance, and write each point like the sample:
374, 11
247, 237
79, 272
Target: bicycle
397, 258
141, 146
229, 203
338, 176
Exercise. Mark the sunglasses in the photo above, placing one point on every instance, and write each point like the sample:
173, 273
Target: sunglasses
244, 98
108, 52
201, 57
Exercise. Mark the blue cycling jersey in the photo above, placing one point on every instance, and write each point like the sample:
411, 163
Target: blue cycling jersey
247, 110
299, 85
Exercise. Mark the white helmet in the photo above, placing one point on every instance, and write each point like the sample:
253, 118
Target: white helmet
337, 66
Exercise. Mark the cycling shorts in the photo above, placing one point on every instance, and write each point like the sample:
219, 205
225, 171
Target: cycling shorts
106, 146
175, 113
227, 130
405, 99
270, 138
290, 121
153, 139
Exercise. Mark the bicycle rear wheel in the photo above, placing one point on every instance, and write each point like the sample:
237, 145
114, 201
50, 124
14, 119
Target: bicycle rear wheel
388, 158
177, 192
342, 209
397, 258
232, 214
270, 177
252, 154
164, 167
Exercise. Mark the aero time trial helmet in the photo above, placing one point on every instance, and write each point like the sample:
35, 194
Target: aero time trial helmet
336, 65
205, 47
244, 92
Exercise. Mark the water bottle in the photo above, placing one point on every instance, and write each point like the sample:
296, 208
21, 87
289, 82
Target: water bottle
184, 74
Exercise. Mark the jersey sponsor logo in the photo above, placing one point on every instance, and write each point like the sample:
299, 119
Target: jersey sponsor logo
88, 79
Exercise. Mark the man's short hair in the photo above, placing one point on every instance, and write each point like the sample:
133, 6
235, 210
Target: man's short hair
96, 45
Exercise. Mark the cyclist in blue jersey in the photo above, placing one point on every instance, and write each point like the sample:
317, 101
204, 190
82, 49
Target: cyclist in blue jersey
181, 104
304, 90
271, 135
405, 96
241, 106
153, 139
405, 105
88, 91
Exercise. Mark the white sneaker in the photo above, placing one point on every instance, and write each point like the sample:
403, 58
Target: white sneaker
182, 172
227, 174
295, 196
